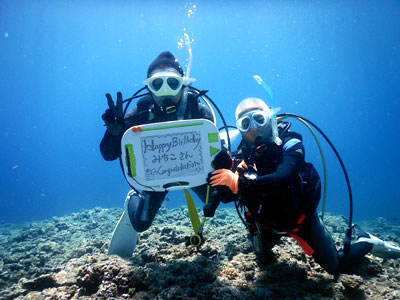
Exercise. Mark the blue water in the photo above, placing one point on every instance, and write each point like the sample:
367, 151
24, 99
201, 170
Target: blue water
334, 62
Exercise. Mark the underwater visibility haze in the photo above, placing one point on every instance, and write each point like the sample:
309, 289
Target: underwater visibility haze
334, 62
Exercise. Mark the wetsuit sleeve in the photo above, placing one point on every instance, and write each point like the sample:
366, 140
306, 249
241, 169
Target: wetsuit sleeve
292, 159
110, 145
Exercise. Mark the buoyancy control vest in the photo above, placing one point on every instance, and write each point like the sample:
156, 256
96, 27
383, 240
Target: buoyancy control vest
147, 111
282, 206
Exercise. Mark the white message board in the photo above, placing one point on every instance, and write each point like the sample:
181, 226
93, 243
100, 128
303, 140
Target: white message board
169, 155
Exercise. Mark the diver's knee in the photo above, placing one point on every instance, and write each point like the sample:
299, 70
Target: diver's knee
327, 258
136, 217
141, 226
331, 267
264, 254
139, 211
131, 201
349, 262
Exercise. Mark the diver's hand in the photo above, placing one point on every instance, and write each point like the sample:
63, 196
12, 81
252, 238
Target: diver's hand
223, 160
224, 177
242, 168
113, 116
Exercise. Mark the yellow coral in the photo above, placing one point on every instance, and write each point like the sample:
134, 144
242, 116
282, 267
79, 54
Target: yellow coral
230, 273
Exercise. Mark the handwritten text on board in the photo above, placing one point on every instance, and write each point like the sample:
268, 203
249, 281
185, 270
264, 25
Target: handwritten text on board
172, 155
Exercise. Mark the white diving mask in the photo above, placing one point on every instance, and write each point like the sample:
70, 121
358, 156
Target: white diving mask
253, 119
166, 83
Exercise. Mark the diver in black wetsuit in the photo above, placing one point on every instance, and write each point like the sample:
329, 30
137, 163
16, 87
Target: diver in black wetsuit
279, 191
166, 102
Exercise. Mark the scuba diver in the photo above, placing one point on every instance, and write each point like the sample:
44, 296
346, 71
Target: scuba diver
279, 192
169, 99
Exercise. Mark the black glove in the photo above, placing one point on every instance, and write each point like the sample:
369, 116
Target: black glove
222, 192
225, 194
113, 116
223, 160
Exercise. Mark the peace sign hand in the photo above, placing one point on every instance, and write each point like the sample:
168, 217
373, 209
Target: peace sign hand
113, 116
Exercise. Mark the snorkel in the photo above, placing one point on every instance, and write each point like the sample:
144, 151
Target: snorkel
274, 111
187, 80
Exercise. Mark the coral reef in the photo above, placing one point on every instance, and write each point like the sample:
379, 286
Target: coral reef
66, 258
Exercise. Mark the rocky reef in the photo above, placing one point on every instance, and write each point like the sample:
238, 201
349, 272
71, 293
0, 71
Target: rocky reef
66, 258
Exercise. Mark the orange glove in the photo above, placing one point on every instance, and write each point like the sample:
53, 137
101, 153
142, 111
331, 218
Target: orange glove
227, 178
